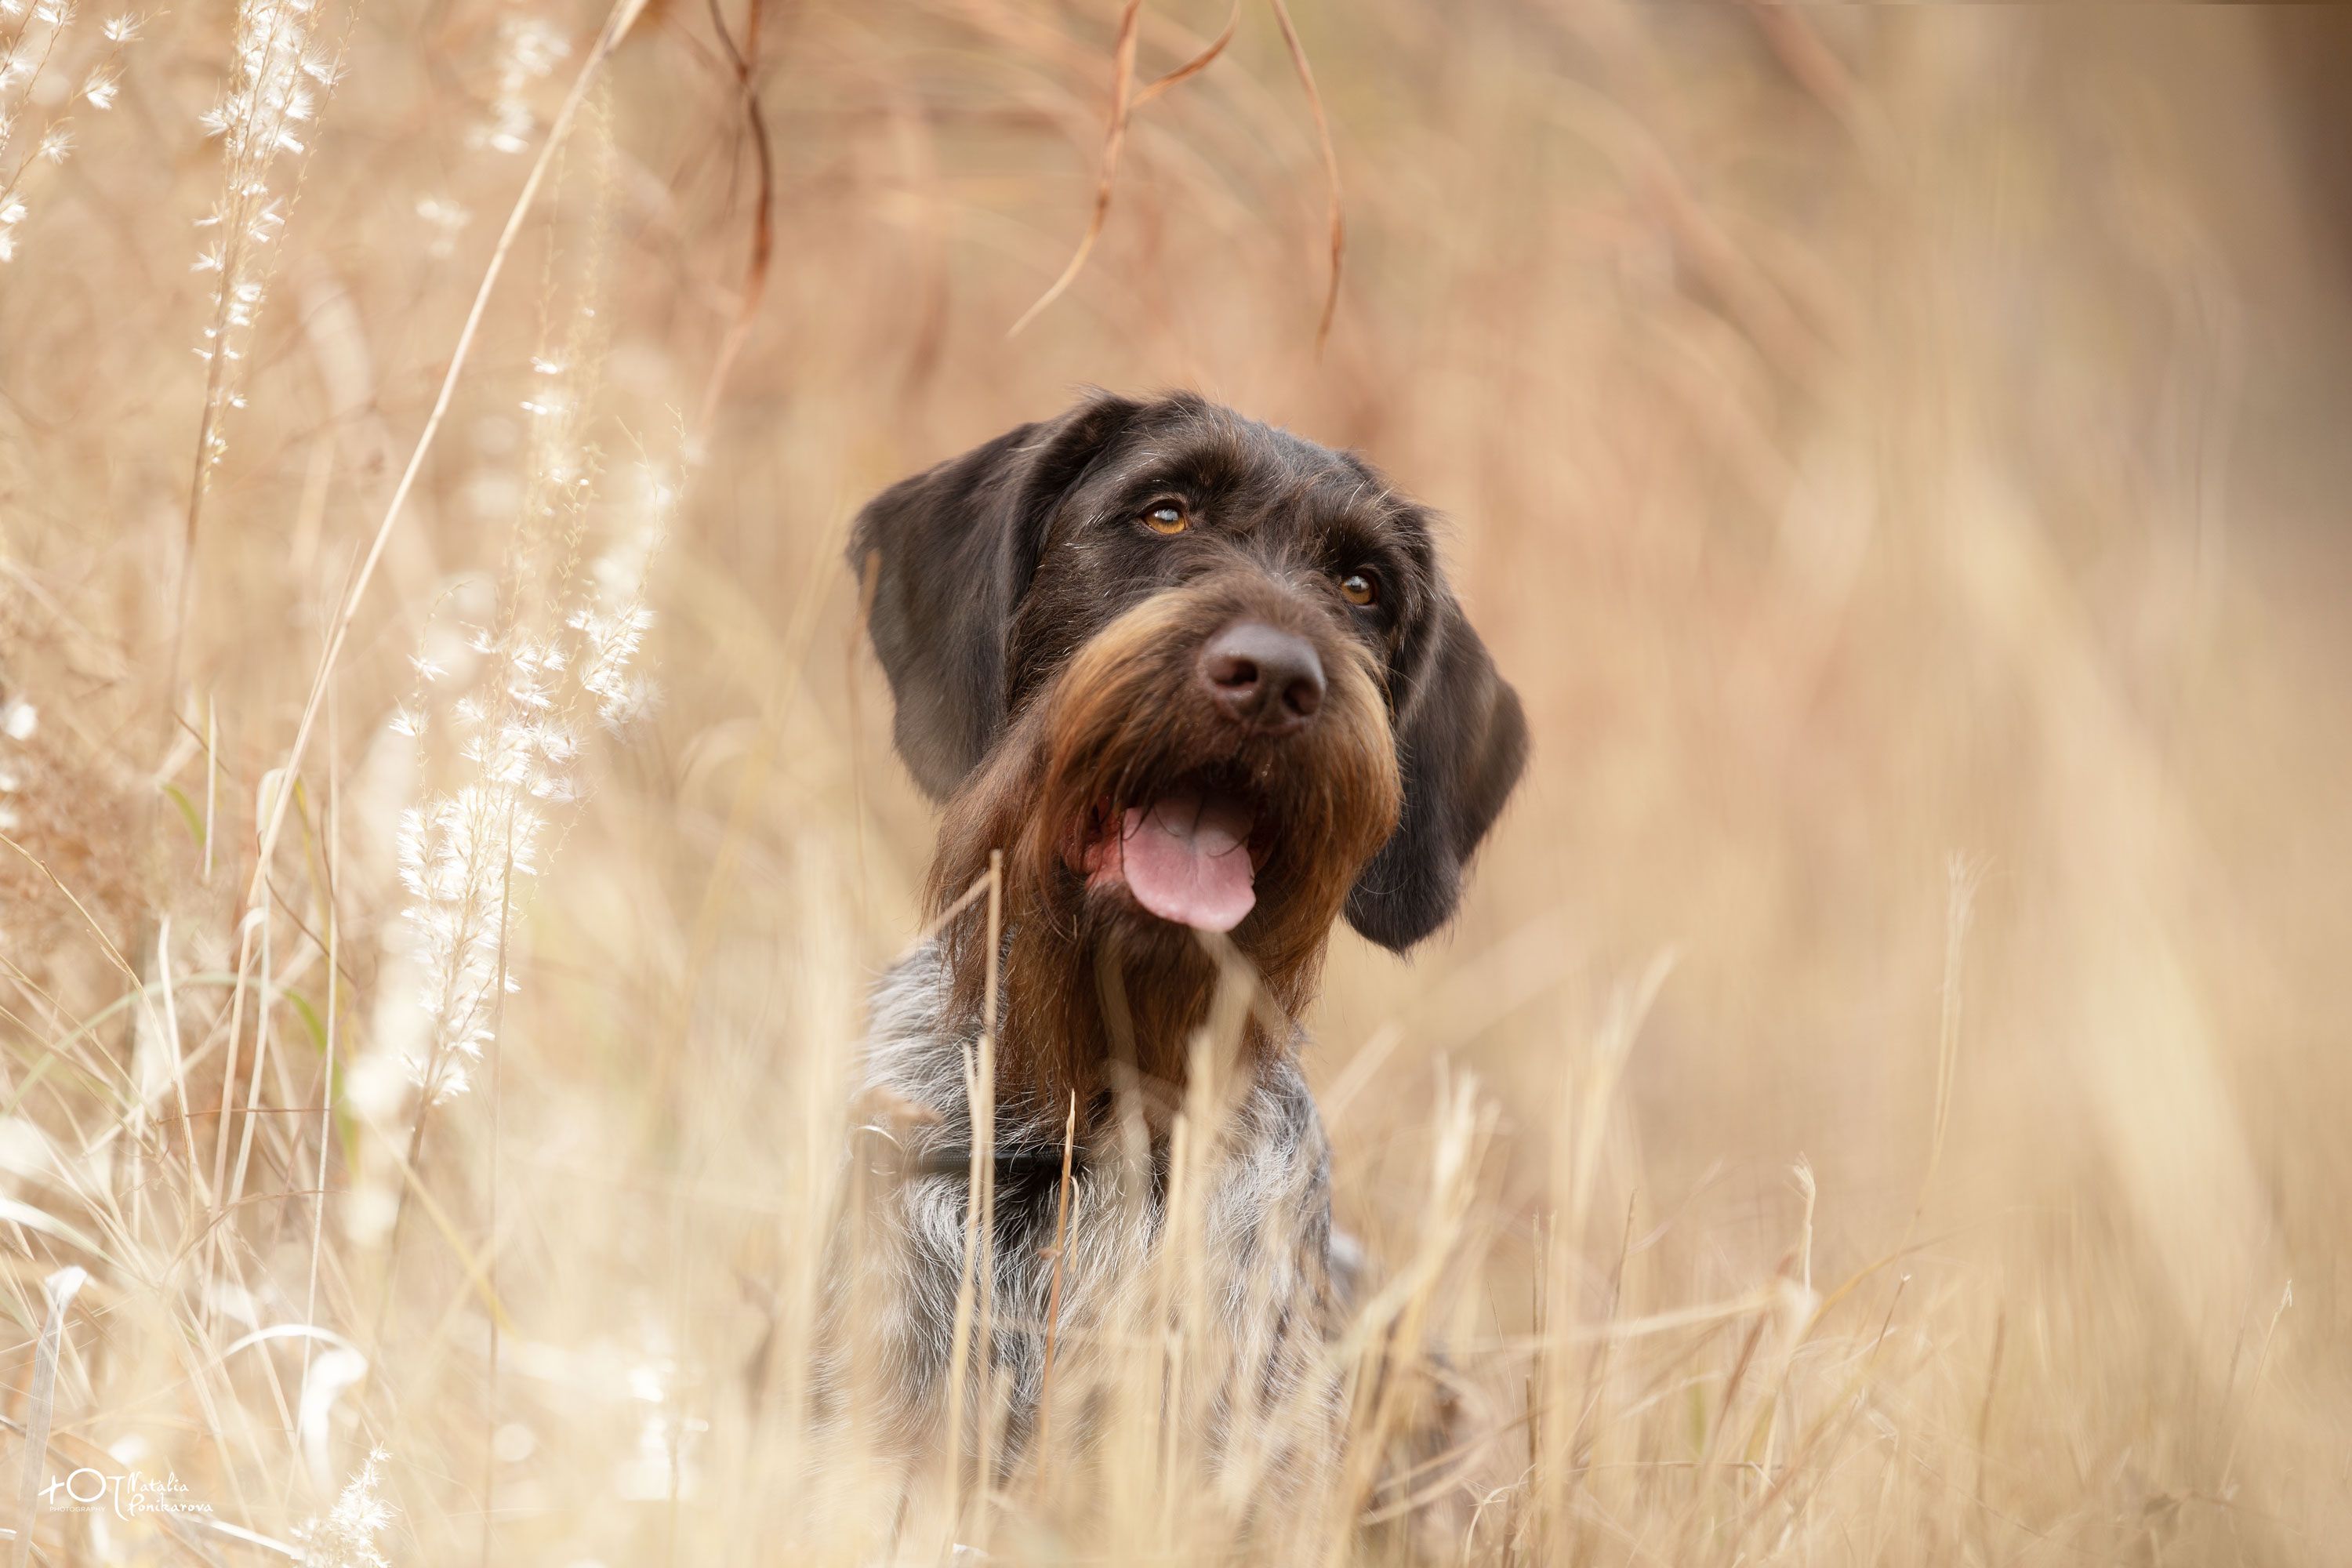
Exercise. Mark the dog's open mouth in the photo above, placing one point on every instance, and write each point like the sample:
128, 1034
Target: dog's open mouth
1188, 857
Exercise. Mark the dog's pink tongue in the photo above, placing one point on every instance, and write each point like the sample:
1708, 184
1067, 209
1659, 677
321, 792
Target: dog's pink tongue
1187, 861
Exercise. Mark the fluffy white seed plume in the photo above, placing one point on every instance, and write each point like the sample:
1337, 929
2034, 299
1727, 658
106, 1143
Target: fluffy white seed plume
276, 77
19, 721
443, 221
507, 688
344, 1537
613, 641
35, 98
614, 622
515, 716
458, 858
269, 93
528, 51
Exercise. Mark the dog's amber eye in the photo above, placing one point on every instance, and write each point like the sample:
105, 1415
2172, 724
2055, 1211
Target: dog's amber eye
1167, 517
1361, 588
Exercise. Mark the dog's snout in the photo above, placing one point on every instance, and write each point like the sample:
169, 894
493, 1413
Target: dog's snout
1269, 680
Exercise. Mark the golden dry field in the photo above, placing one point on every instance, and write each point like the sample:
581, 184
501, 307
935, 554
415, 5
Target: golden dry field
1885, 1099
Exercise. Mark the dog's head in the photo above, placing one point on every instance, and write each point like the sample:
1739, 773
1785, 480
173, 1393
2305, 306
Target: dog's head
1186, 670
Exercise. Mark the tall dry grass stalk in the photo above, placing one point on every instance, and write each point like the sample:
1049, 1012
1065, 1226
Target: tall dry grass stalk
1878, 1107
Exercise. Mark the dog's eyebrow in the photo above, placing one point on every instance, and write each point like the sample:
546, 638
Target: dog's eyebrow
1371, 515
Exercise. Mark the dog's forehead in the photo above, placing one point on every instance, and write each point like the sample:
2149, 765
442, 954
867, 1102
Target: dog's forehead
1216, 438
1210, 449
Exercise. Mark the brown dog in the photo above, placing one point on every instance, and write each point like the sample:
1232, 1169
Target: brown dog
1200, 682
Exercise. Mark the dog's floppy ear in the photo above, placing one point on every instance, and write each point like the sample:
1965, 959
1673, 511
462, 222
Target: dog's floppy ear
953, 551
1461, 743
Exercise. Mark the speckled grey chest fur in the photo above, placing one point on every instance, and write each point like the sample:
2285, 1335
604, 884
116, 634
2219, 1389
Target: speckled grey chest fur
1263, 1246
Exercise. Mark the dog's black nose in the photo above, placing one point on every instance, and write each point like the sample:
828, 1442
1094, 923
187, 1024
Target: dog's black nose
1269, 680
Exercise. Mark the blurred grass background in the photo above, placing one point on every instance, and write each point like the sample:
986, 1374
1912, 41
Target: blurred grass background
1896, 454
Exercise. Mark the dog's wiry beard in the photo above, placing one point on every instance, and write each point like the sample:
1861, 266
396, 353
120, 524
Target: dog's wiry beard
1086, 977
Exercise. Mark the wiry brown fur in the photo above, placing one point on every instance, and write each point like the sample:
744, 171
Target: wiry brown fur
1124, 716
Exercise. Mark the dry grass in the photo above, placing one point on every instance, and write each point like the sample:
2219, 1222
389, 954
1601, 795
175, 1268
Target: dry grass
1889, 1069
